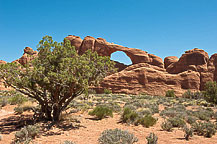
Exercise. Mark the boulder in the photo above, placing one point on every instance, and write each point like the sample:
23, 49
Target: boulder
170, 60
2, 62
75, 41
195, 57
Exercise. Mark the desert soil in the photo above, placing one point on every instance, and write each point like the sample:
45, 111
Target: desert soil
89, 130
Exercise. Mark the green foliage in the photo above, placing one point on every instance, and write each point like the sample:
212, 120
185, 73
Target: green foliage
57, 75
188, 132
210, 93
167, 126
129, 116
177, 122
192, 95
191, 119
107, 91
204, 114
3, 102
17, 99
26, 134
152, 138
170, 93
146, 121
117, 136
207, 129
101, 112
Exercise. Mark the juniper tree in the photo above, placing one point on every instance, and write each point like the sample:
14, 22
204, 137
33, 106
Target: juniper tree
57, 75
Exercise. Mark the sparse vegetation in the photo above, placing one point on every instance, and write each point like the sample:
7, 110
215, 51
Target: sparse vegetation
26, 134
146, 121
101, 112
210, 92
206, 129
177, 122
170, 93
188, 132
68, 142
107, 91
152, 138
167, 126
117, 136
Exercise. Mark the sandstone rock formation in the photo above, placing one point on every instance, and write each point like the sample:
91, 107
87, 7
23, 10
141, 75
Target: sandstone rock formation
148, 73
28, 55
104, 48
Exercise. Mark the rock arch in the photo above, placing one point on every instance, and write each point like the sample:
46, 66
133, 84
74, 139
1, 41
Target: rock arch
104, 48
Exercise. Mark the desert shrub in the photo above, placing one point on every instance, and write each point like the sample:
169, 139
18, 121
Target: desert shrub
91, 91
107, 91
153, 107
170, 93
17, 99
117, 136
26, 106
210, 93
144, 112
152, 138
129, 116
101, 112
188, 132
191, 119
68, 142
146, 121
167, 126
177, 110
209, 130
114, 106
3, 102
192, 95
26, 134
215, 116
177, 122
206, 129
204, 114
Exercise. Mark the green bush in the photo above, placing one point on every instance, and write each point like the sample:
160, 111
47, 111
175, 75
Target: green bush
117, 136
107, 91
170, 93
210, 93
188, 132
26, 134
207, 129
167, 126
191, 119
101, 112
129, 116
17, 99
152, 138
3, 102
204, 114
146, 121
177, 122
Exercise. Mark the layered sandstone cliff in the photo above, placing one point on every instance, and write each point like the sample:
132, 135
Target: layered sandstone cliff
148, 73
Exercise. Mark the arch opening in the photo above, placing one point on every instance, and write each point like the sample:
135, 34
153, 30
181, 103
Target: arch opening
121, 57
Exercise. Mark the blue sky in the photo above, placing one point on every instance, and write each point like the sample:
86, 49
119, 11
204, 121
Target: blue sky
161, 27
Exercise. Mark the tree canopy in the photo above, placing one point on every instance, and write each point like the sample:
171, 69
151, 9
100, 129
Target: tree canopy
57, 75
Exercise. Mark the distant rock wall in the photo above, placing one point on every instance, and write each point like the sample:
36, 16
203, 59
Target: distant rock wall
148, 73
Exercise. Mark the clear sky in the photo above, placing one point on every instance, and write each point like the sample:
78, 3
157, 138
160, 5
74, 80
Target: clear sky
161, 27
